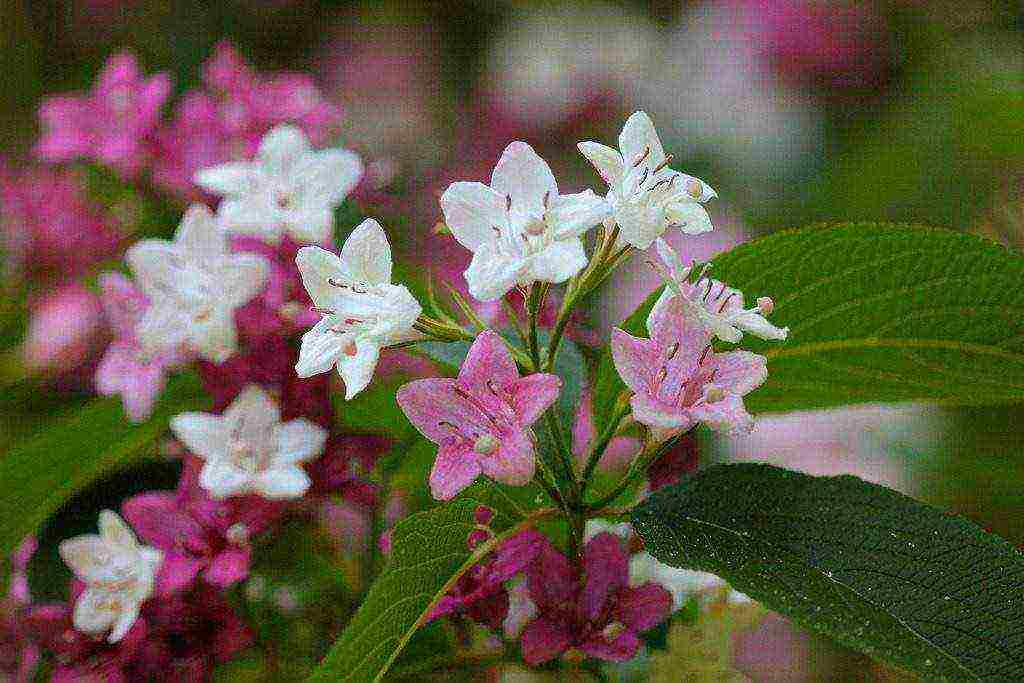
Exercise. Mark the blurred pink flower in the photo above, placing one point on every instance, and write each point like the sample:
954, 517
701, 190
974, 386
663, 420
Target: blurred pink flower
125, 368
65, 330
19, 654
342, 469
595, 611
283, 307
683, 458
620, 451
109, 125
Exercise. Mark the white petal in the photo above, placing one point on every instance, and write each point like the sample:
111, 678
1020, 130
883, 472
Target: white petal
232, 178
559, 261
299, 440
250, 215
155, 265
607, 161
311, 225
357, 369
125, 620
639, 225
521, 174
669, 257
203, 434
637, 136
317, 266
215, 338
115, 532
90, 616
282, 149
222, 480
253, 406
491, 274
81, 554
320, 350
471, 211
163, 327
757, 325
366, 254
326, 177
199, 234
282, 482
689, 217
241, 277
574, 214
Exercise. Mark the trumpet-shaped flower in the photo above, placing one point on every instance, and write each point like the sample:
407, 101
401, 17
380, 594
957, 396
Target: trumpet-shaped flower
126, 368
194, 285
362, 311
647, 197
519, 228
678, 380
481, 419
289, 188
119, 575
249, 450
718, 306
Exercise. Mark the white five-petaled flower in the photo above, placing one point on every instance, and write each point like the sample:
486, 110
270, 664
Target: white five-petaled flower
249, 450
289, 189
119, 575
519, 228
362, 311
194, 285
648, 197
718, 306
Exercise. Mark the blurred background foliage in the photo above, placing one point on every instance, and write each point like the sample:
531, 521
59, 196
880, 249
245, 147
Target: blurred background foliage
797, 111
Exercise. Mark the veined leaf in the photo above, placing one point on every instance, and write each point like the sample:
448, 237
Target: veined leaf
43, 472
875, 570
883, 312
430, 554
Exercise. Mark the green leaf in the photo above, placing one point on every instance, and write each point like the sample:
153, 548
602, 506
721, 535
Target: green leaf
430, 553
40, 474
875, 570
883, 312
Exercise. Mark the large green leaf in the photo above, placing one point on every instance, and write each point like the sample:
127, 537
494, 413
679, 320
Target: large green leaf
877, 571
884, 313
430, 553
38, 475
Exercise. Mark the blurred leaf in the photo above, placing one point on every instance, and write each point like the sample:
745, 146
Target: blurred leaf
875, 570
449, 354
430, 553
40, 474
884, 313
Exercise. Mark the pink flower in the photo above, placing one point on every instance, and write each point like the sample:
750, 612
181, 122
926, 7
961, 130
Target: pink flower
19, 654
64, 331
480, 593
481, 419
284, 306
595, 611
126, 369
342, 469
620, 451
109, 125
679, 380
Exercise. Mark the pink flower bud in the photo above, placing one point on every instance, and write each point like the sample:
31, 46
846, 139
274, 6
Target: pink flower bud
483, 514
476, 537
65, 328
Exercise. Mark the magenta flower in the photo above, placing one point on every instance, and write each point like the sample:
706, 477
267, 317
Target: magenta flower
597, 613
668, 470
126, 369
342, 469
283, 307
481, 593
110, 124
679, 380
481, 419
19, 654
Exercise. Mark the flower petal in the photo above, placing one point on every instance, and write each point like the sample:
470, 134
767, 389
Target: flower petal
558, 262
199, 235
690, 217
533, 394
320, 350
215, 338
433, 406
637, 137
328, 176
249, 215
654, 414
606, 567
644, 607
242, 276
488, 359
574, 214
636, 360
154, 263
282, 149
471, 210
607, 161
299, 440
126, 618
203, 434
455, 468
222, 480
232, 178
543, 640
253, 408
492, 274
281, 483
90, 615
620, 649
739, 372
228, 567
357, 370
366, 254
522, 175
310, 225
728, 415
317, 266
115, 532
513, 462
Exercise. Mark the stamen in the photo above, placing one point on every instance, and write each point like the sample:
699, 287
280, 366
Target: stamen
359, 290
508, 202
673, 350
722, 307
643, 178
496, 230
640, 159
666, 162
547, 196
334, 283
322, 311
704, 355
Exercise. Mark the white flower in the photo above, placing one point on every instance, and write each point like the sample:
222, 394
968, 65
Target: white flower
289, 188
363, 312
647, 196
249, 450
194, 285
520, 229
119, 575
718, 306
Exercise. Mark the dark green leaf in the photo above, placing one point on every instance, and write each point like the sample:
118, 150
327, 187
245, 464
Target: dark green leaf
884, 313
43, 472
875, 570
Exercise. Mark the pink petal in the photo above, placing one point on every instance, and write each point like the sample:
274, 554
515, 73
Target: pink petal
658, 415
488, 360
515, 554
606, 566
177, 572
157, 519
636, 360
551, 578
513, 462
435, 406
533, 394
738, 372
644, 607
455, 468
543, 640
728, 415
675, 323
228, 567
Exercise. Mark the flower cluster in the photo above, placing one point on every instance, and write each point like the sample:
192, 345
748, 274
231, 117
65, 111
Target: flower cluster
252, 293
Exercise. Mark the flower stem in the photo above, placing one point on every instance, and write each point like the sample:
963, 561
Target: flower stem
620, 411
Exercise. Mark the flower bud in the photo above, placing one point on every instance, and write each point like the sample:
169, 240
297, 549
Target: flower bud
66, 327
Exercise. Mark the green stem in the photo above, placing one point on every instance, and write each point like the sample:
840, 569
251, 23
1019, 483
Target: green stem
636, 470
621, 410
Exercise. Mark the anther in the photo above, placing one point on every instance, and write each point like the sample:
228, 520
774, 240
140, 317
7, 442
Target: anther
673, 350
508, 202
695, 189
334, 283
765, 305
704, 355
322, 311
547, 196
643, 178
640, 159
666, 162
